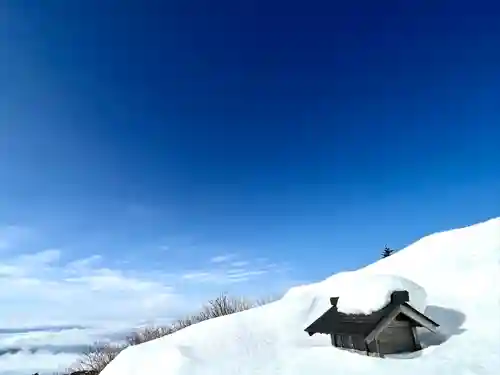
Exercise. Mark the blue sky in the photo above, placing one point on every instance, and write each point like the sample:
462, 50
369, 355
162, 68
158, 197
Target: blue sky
187, 148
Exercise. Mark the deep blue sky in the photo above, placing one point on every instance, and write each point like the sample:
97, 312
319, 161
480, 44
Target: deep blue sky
307, 132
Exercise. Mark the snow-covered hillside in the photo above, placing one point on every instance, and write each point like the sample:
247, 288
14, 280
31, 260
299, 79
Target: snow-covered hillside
459, 270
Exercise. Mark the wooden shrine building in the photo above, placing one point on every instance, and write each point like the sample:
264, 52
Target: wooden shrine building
390, 330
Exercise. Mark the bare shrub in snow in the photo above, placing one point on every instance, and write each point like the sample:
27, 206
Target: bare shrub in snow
222, 305
98, 357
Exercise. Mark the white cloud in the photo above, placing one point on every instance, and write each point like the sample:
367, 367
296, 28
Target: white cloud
39, 289
43, 338
26, 362
42, 288
49, 288
38, 259
234, 272
198, 275
222, 258
242, 263
80, 265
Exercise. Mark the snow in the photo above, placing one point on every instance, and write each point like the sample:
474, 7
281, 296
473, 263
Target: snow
459, 271
365, 293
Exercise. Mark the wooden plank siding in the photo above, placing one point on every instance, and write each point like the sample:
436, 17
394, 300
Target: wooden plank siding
355, 344
396, 339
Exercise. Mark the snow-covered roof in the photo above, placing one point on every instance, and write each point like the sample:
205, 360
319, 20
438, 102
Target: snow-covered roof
364, 293
367, 324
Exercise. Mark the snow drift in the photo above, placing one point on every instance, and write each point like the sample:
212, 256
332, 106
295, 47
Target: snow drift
454, 276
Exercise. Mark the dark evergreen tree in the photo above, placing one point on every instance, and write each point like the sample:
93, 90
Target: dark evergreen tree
387, 252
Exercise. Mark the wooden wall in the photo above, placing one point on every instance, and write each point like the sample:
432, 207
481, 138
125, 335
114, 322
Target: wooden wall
398, 337
349, 342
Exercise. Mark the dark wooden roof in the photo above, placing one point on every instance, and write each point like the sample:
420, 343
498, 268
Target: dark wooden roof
335, 322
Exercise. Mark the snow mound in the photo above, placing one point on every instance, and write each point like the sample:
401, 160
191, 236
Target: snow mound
459, 270
366, 293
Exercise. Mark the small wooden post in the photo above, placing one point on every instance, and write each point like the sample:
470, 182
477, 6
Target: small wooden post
416, 342
377, 346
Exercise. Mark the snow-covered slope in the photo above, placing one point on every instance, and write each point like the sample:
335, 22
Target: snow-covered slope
459, 270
